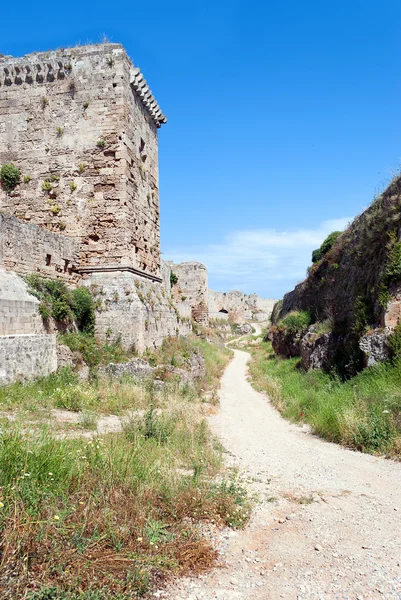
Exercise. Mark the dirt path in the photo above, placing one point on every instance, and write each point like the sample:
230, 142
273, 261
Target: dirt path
328, 525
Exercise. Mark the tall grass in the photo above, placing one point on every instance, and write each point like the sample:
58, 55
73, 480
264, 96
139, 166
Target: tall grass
362, 413
111, 516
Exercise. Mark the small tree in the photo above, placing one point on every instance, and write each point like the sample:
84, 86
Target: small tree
173, 279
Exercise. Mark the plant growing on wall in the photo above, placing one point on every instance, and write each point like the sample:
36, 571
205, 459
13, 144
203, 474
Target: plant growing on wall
10, 176
173, 278
64, 305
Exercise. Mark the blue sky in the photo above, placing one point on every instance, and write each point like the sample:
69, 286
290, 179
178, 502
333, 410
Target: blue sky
284, 118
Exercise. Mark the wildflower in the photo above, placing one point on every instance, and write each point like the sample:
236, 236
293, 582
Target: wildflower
82, 503
151, 543
385, 412
56, 518
50, 473
1, 505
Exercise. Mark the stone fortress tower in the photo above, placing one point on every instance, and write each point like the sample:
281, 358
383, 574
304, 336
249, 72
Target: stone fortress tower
82, 125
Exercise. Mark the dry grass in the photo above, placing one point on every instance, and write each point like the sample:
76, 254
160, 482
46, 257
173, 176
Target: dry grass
114, 516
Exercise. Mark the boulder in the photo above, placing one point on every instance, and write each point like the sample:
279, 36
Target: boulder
285, 343
374, 346
65, 356
136, 367
245, 329
317, 350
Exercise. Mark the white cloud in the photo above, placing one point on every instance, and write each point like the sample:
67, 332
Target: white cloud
264, 261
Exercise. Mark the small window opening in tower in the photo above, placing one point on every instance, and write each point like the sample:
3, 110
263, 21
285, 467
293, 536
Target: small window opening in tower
224, 311
48, 260
142, 145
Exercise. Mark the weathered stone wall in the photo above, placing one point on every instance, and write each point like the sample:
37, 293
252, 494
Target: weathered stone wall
26, 248
138, 312
192, 288
26, 357
19, 310
239, 307
26, 351
82, 123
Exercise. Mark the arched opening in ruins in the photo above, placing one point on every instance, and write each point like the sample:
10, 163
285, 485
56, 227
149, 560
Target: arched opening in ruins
224, 311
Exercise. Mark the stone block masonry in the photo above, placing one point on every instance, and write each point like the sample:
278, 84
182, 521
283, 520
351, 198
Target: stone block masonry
26, 248
26, 357
137, 312
192, 288
81, 124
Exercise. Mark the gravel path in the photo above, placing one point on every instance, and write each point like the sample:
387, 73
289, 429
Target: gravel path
328, 522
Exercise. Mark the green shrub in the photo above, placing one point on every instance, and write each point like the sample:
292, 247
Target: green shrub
173, 278
363, 314
296, 320
393, 268
394, 342
83, 308
63, 304
10, 176
326, 246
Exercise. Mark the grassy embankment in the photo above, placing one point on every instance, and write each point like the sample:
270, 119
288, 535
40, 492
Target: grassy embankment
94, 518
362, 413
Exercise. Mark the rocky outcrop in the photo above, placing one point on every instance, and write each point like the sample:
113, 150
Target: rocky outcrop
141, 369
374, 346
356, 279
137, 368
286, 343
317, 350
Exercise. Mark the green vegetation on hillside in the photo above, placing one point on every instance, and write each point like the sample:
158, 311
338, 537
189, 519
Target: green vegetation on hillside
295, 321
326, 246
362, 413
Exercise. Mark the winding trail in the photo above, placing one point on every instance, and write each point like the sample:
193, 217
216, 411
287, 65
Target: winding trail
328, 524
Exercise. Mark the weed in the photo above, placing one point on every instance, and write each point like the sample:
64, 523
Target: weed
56, 209
44, 101
85, 104
81, 167
27, 179
60, 131
173, 278
47, 186
73, 186
101, 143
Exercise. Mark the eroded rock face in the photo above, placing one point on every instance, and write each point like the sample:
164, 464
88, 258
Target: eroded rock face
65, 356
245, 329
286, 343
136, 368
374, 346
317, 350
